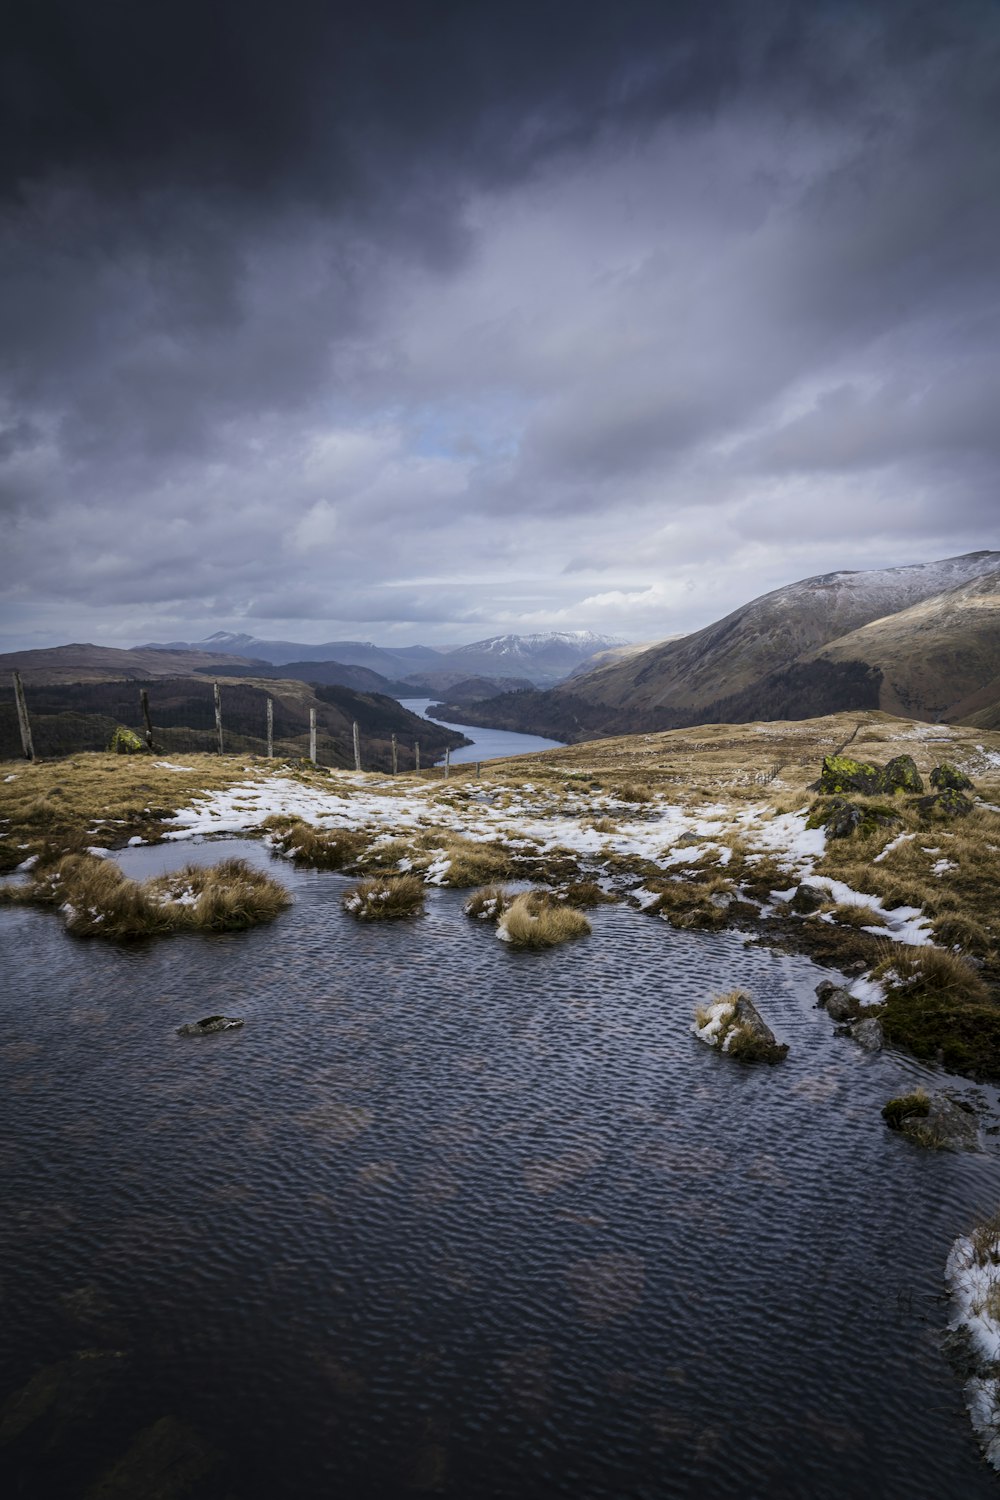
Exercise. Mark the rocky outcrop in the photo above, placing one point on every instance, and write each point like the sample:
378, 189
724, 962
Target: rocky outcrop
125, 742
947, 777
840, 818
948, 803
842, 774
933, 1120
735, 1025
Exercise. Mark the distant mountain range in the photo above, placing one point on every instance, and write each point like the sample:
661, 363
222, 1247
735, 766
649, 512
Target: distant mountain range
538, 660
921, 640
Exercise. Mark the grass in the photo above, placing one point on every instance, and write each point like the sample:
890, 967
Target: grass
939, 1007
385, 898
536, 920
985, 1239
95, 899
489, 903
724, 1024
472, 863
850, 915
688, 904
895, 1111
319, 848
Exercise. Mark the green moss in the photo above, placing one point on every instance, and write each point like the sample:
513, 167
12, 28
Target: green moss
842, 774
125, 742
947, 777
746, 1047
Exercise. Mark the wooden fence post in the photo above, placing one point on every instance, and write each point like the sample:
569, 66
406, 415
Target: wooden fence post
447, 763
144, 705
270, 728
357, 747
24, 723
478, 766
312, 735
395, 756
416, 755
218, 715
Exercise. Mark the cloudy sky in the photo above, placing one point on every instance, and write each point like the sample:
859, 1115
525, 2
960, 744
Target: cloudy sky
424, 321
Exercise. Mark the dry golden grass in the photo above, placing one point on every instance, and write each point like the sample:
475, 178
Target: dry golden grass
985, 1239
384, 898
854, 916
319, 848
489, 903
932, 971
535, 920
472, 863
96, 900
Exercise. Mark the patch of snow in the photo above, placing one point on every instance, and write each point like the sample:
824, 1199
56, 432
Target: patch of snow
901, 838
942, 866
26, 864
169, 765
973, 1283
98, 852
134, 841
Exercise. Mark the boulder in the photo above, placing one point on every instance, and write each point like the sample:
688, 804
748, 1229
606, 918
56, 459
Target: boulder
945, 1127
868, 1034
901, 775
840, 1006
808, 898
948, 803
948, 778
125, 742
750, 1038
842, 774
209, 1024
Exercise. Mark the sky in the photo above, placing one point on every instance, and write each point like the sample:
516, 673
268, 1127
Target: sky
427, 322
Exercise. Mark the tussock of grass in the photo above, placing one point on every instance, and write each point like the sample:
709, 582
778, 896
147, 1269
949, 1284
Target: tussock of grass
604, 825
321, 849
635, 791
489, 903
688, 904
939, 1007
96, 900
932, 971
472, 863
895, 1111
584, 894
535, 920
383, 898
985, 1239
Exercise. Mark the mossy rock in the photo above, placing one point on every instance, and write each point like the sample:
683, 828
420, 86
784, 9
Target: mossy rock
901, 775
842, 774
948, 803
948, 778
125, 742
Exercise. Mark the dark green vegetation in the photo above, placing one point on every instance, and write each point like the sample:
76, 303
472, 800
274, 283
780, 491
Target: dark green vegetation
939, 1007
70, 717
95, 899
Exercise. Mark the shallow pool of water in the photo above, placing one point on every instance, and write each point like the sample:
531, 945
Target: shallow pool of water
446, 1217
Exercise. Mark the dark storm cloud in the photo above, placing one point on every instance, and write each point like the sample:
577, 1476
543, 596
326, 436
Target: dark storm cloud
301, 299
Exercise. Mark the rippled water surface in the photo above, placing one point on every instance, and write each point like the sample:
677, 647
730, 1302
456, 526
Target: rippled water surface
448, 1218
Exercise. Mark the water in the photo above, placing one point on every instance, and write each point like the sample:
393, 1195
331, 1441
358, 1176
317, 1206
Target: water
447, 1217
488, 744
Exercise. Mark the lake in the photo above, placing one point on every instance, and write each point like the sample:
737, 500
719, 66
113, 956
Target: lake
449, 1218
489, 744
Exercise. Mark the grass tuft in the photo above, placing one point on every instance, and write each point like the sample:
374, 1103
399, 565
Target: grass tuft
489, 903
535, 920
383, 898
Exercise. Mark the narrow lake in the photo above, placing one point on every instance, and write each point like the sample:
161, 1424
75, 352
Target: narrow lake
489, 744
448, 1218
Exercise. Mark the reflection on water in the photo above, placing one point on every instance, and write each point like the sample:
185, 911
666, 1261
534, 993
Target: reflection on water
445, 1218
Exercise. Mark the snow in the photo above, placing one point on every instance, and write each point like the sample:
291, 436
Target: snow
133, 842
717, 1016
901, 838
973, 1282
169, 765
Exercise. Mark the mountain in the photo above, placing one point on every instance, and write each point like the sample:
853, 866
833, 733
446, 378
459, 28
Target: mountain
765, 660
543, 659
86, 663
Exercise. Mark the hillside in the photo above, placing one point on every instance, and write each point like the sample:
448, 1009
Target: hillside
68, 717
83, 662
766, 659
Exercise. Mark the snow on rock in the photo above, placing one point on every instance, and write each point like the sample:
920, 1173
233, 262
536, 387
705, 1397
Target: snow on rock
972, 1275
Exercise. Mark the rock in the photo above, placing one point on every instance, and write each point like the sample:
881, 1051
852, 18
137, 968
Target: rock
824, 988
750, 1038
945, 804
839, 818
209, 1024
868, 1034
125, 742
807, 898
944, 1125
842, 774
901, 775
948, 778
840, 1006
688, 840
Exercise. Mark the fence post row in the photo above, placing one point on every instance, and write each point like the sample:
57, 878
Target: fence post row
270, 728
416, 755
23, 722
357, 747
447, 763
144, 705
395, 756
312, 735
218, 715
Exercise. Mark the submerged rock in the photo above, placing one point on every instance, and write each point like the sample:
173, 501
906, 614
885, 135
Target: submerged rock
840, 1005
165, 1462
948, 778
209, 1024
